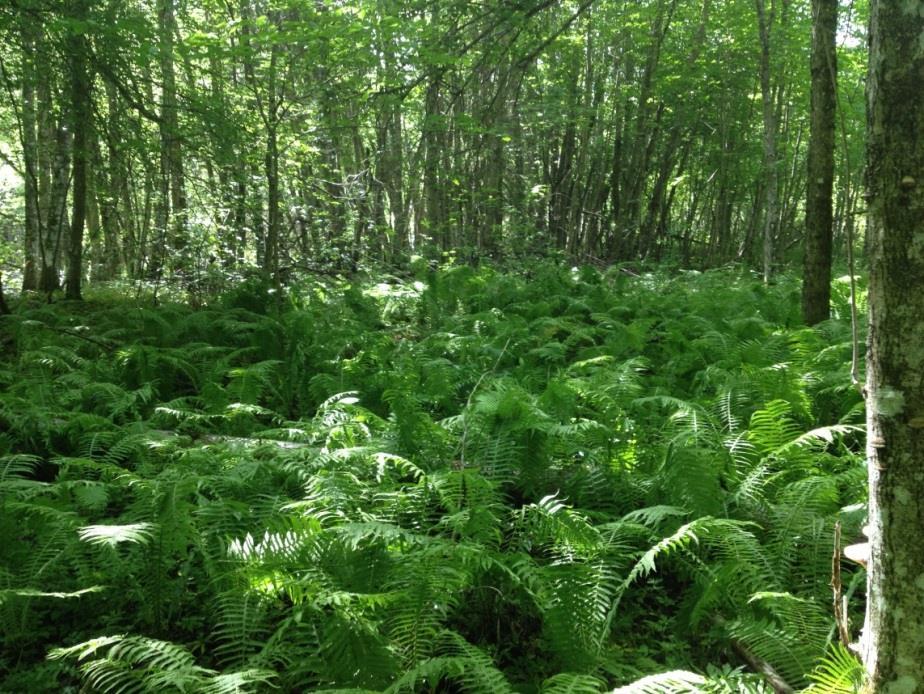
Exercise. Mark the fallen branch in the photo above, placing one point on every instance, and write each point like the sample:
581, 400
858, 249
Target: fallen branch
758, 664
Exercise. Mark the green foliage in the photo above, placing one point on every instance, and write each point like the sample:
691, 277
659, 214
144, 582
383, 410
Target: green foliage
565, 484
840, 672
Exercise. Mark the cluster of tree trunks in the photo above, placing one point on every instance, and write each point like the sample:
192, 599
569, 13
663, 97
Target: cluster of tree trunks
278, 142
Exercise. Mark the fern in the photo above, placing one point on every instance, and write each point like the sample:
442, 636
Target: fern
488, 484
568, 683
458, 662
839, 672
112, 535
138, 664
674, 682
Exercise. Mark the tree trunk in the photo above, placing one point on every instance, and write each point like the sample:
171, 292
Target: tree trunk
93, 257
765, 29
4, 309
816, 280
142, 255
80, 125
361, 193
106, 194
58, 142
173, 186
893, 638
433, 227
31, 254
271, 255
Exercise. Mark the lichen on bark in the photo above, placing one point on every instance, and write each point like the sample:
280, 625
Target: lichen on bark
893, 639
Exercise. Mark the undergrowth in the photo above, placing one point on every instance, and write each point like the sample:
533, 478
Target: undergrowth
474, 481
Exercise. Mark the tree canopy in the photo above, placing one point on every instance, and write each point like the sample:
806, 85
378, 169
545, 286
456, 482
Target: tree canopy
299, 134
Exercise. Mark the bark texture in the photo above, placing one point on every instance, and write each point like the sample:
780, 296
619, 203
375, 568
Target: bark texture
893, 639
816, 286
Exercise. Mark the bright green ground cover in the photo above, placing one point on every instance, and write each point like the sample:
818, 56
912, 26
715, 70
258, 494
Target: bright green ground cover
472, 482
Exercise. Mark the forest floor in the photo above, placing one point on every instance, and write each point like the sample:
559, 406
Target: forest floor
570, 481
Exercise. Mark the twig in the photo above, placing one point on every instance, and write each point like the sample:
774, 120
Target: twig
108, 346
840, 616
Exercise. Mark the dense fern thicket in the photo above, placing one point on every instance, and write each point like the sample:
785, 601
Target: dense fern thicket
469, 481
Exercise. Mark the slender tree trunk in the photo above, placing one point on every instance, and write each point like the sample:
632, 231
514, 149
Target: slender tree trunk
390, 171
143, 255
55, 204
893, 638
81, 126
118, 211
258, 220
225, 167
561, 175
491, 229
173, 187
816, 278
31, 255
765, 29
271, 254
240, 215
53, 173
93, 232
107, 196
433, 226
362, 193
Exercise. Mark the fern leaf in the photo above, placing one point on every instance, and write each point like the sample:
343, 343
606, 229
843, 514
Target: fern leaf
570, 683
674, 682
112, 535
839, 672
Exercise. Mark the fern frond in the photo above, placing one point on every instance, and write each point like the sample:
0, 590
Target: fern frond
653, 516
459, 663
839, 672
17, 465
674, 682
112, 535
242, 626
570, 683
241, 682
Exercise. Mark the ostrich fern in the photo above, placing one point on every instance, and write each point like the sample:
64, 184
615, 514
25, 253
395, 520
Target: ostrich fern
570, 484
